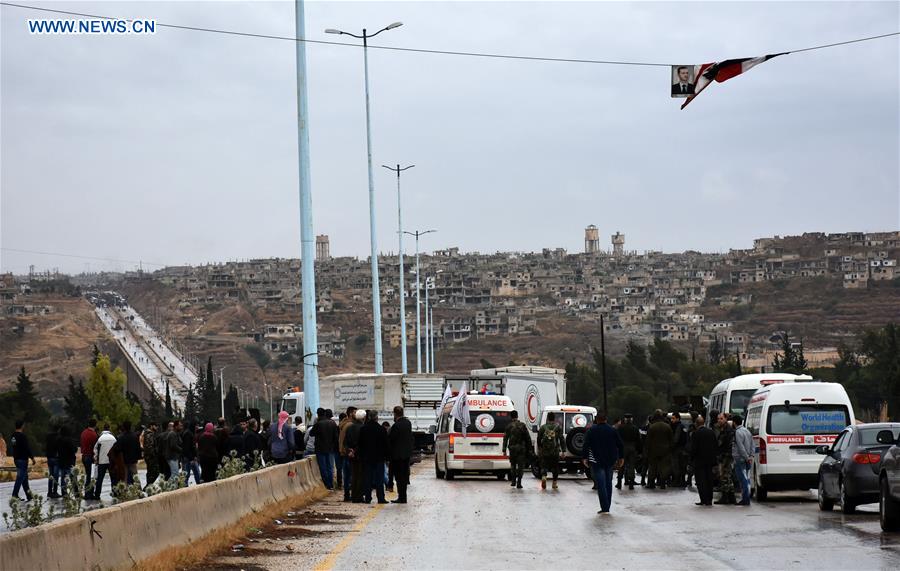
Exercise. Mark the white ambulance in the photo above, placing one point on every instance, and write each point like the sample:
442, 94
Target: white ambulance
481, 449
788, 422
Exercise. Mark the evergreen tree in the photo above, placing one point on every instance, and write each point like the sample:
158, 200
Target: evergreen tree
106, 389
715, 352
190, 407
738, 370
27, 396
154, 411
168, 409
25, 405
211, 403
78, 405
95, 355
800, 363
232, 402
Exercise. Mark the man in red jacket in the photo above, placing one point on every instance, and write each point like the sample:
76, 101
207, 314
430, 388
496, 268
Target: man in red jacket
88, 439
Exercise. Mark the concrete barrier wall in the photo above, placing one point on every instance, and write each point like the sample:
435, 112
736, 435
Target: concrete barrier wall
119, 536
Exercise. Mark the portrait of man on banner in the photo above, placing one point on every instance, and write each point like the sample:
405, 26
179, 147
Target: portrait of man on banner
682, 80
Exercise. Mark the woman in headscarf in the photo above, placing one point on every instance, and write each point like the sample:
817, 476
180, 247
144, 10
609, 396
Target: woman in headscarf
208, 453
281, 441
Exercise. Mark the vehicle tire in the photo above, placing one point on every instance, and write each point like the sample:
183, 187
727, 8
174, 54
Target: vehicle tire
825, 503
575, 441
888, 508
449, 474
848, 506
437, 471
762, 493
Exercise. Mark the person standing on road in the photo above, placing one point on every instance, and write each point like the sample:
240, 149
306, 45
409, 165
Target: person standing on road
742, 453
659, 451
131, 452
253, 445
603, 451
281, 441
346, 466
400, 439
335, 453
679, 455
704, 454
373, 450
188, 452
326, 433
208, 453
351, 444
21, 453
67, 450
222, 433
550, 446
101, 452
517, 439
151, 457
726, 460
87, 440
631, 439
170, 448
51, 449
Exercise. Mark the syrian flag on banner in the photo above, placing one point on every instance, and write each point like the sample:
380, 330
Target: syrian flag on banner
447, 394
461, 409
706, 73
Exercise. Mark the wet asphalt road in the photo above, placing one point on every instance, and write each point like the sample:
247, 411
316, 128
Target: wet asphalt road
483, 523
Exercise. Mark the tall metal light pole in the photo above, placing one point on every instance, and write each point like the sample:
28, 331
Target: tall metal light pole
431, 337
376, 289
307, 240
403, 366
427, 344
222, 388
418, 233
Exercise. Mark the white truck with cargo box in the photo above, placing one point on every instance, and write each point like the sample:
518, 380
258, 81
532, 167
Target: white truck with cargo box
418, 394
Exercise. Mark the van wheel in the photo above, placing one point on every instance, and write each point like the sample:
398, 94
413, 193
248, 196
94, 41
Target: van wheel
449, 474
825, 503
437, 471
761, 493
848, 506
888, 508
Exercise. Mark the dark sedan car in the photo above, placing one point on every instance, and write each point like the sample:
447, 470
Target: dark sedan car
889, 505
849, 473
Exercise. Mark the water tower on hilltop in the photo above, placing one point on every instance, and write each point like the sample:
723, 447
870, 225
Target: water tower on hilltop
618, 243
591, 240
323, 248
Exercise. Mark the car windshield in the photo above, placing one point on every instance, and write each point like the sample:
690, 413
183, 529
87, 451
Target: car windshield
807, 419
739, 401
485, 421
867, 436
289, 406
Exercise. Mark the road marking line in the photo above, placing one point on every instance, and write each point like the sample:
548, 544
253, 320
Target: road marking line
328, 563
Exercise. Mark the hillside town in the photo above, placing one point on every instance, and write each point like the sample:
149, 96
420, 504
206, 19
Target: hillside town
639, 295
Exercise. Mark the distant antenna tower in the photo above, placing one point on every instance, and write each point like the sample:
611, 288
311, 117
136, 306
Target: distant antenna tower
591, 240
618, 243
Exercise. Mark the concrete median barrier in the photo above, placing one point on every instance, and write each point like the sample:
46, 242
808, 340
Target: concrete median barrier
120, 536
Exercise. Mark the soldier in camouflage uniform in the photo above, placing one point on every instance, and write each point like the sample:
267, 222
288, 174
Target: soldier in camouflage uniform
726, 460
550, 445
517, 439
149, 450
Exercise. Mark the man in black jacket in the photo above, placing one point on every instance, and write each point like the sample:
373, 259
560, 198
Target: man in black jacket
401, 445
325, 431
130, 446
631, 439
704, 455
67, 450
21, 453
351, 446
373, 451
679, 452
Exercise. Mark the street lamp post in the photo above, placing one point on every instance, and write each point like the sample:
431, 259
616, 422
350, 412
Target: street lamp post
376, 289
427, 344
418, 233
403, 366
222, 388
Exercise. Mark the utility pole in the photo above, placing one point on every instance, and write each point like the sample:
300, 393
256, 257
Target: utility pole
222, 388
403, 365
427, 336
307, 240
376, 287
418, 233
603, 365
432, 336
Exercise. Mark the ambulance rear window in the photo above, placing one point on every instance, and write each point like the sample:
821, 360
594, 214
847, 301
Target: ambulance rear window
486, 421
807, 419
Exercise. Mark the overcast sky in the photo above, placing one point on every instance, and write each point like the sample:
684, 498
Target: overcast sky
181, 147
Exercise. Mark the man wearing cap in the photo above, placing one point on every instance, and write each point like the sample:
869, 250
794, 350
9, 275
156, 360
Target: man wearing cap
631, 440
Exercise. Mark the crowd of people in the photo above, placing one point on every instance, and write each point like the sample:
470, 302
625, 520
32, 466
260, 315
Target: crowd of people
354, 453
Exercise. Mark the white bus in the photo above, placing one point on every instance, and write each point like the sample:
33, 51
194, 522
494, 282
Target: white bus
733, 395
788, 423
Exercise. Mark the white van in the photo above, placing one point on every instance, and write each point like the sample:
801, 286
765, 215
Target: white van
732, 395
481, 449
788, 422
